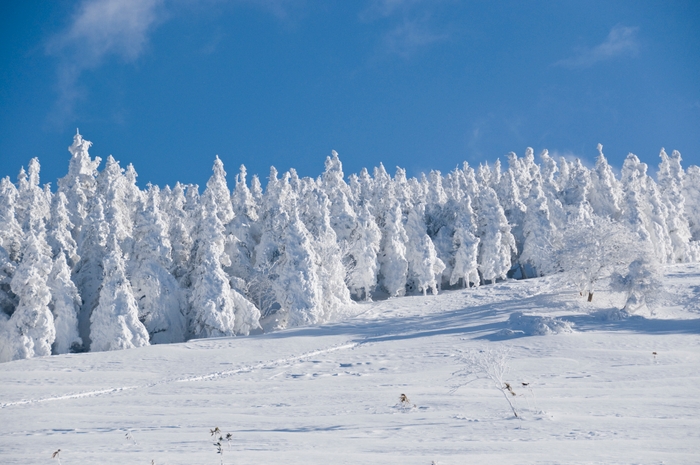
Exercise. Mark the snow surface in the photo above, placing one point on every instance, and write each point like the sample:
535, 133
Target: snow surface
596, 391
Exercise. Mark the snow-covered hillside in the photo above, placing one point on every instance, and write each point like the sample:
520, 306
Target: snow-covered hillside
99, 264
600, 390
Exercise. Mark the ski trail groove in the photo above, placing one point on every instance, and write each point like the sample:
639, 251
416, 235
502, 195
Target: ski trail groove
216, 375
70, 396
272, 363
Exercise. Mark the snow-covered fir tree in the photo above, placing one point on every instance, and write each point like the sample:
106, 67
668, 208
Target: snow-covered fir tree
424, 267
59, 231
160, 300
114, 323
691, 194
298, 288
539, 233
465, 244
65, 307
392, 253
101, 264
670, 180
80, 183
113, 189
216, 308
342, 215
30, 331
362, 262
497, 244
88, 272
606, 193
644, 211
180, 227
10, 230
33, 206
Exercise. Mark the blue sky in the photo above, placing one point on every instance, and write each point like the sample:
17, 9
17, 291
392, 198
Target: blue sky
169, 84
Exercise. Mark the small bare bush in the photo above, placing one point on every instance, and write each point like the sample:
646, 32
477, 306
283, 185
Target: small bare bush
491, 364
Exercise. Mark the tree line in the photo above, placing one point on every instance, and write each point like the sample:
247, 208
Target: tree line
101, 264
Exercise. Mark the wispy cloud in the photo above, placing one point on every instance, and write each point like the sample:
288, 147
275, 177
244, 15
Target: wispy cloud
99, 28
410, 25
385, 8
405, 38
621, 41
284, 10
102, 30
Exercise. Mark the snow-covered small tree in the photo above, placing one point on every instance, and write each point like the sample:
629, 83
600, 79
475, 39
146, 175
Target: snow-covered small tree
466, 247
576, 186
402, 190
497, 245
216, 308
31, 325
382, 192
160, 301
217, 188
549, 172
8, 299
242, 199
33, 207
514, 208
540, 235
364, 189
65, 305
297, 286
212, 307
327, 248
274, 216
644, 210
180, 227
436, 199
59, 231
392, 252
362, 255
424, 267
10, 230
242, 229
80, 183
114, 323
597, 248
338, 192
642, 284
133, 196
88, 272
113, 190
606, 193
670, 181
691, 193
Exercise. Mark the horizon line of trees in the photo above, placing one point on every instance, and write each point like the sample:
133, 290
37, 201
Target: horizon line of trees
103, 265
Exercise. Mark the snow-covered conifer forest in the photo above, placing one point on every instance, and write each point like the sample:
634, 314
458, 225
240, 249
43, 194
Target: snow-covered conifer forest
99, 264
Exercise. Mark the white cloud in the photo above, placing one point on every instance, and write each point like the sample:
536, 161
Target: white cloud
385, 8
99, 28
104, 27
621, 41
410, 24
283, 10
409, 36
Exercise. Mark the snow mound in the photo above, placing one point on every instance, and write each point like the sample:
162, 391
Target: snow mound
534, 325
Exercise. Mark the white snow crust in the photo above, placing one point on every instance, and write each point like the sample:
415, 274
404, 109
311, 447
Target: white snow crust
604, 390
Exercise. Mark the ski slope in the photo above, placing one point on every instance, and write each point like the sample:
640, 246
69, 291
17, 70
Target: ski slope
330, 394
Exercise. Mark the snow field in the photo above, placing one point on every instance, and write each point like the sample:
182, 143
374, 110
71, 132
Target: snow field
330, 394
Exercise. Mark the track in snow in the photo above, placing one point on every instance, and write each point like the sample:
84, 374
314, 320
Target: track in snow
216, 375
